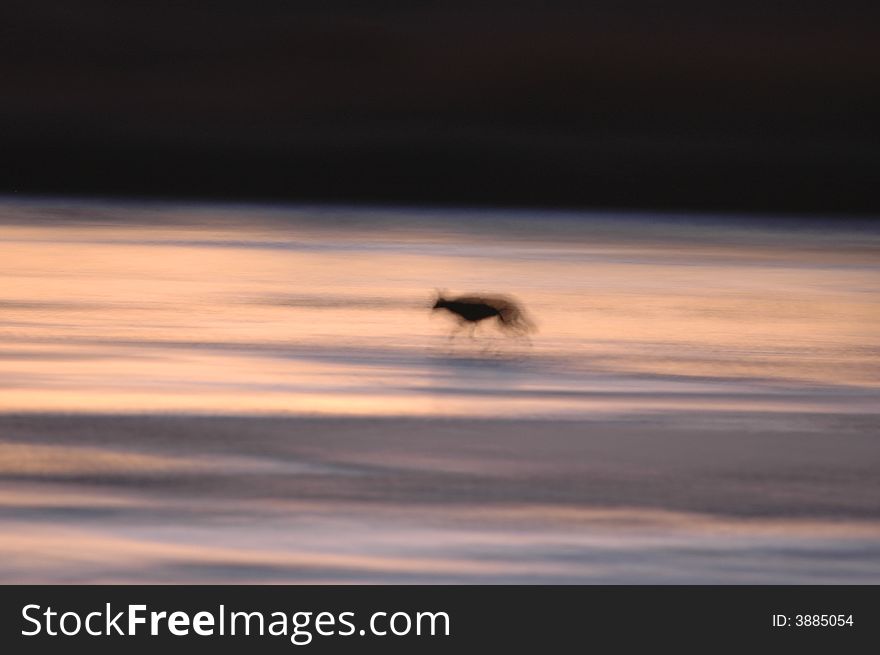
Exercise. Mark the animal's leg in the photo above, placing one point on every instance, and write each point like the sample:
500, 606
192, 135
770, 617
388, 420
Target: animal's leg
458, 328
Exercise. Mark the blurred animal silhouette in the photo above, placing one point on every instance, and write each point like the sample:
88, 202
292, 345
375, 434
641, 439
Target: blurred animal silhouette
471, 310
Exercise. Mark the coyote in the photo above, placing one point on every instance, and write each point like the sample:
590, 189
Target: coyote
470, 310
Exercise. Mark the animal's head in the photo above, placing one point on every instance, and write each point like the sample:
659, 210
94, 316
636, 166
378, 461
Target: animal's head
439, 301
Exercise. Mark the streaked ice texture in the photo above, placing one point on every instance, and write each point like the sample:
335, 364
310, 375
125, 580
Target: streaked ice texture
240, 393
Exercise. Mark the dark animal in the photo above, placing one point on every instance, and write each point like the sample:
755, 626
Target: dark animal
470, 310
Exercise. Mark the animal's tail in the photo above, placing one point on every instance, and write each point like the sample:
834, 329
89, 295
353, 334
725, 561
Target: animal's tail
513, 319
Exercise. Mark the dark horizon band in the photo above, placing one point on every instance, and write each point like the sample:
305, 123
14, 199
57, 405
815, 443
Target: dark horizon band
626, 104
